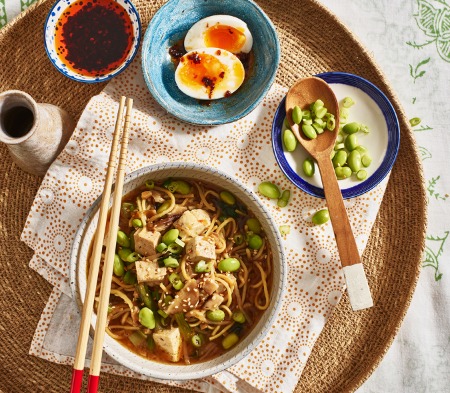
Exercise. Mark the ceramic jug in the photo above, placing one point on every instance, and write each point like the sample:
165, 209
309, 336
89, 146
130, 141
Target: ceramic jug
34, 133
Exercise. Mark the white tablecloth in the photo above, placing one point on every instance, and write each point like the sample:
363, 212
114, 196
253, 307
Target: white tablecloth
410, 40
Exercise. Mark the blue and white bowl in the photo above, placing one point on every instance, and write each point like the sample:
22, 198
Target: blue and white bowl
170, 25
373, 109
49, 41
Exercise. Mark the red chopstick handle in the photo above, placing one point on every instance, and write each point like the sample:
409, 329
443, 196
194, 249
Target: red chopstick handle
93, 383
77, 381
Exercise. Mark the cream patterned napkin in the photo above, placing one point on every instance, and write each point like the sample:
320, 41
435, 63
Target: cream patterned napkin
242, 149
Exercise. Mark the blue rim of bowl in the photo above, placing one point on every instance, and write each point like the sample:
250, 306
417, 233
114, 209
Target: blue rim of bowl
106, 77
245, 112
390, 118
272, 314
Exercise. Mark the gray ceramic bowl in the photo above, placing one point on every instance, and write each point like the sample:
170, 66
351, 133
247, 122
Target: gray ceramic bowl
80, 250
171, 23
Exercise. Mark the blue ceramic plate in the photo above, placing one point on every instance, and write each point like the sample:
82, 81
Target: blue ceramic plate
49, 40
170, 25
371, 108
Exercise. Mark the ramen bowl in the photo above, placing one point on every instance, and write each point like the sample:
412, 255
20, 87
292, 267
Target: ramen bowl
170, 25
187, 171
105, 38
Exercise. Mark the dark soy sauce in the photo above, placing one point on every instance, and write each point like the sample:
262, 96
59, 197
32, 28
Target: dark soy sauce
17, 121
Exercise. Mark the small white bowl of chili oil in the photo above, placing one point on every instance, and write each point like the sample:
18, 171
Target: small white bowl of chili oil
92, 40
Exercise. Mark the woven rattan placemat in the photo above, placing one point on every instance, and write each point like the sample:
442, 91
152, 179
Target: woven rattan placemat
351, 344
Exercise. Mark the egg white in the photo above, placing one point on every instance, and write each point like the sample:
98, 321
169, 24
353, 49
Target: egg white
195, 37
230, 82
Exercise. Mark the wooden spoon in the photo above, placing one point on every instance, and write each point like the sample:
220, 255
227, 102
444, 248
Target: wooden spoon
302, 94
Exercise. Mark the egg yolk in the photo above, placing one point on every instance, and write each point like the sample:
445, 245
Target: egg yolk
202, 70
225, 37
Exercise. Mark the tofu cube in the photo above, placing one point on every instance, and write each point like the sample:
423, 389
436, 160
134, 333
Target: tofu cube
150, 272
192, 223
169, 340
146, 241
199, 248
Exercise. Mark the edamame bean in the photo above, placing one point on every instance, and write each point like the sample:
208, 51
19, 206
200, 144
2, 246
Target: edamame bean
351, 142
255, 242
366, 160
340, 158
308, 167
342, 172
269, 190
171, 262
351, 128
146, 318
321, 217
227, 197
129, 278
137, 223
297, 115
118, 266
361, 174
354, 161
321, 112
284, 198
170, 236
122, 239
254, 225
230, 340
238, 316
229, 264
215, 315
309, 131
331, 123
289, 140
339, 146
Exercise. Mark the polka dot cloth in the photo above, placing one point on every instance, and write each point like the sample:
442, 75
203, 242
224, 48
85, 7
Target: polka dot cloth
242, 149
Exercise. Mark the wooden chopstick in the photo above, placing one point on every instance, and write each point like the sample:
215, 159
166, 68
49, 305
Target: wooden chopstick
102, 309
83, 333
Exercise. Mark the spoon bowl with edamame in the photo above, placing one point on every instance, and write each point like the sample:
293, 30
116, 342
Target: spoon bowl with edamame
307, 100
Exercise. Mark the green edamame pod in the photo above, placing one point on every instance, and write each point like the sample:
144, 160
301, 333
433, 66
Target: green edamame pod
321, 217
309, 131
297, 115
351, 128
147, 318
354, 161
269, 190
308, 167
122, 239
254, 225
215, 315
340, 158
118, 266
229, 264
342, 172
289, 140
351, 142
227, 197
230, 340
170, 236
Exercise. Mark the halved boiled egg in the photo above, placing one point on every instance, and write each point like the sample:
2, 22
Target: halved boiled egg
209, 73
219, 31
